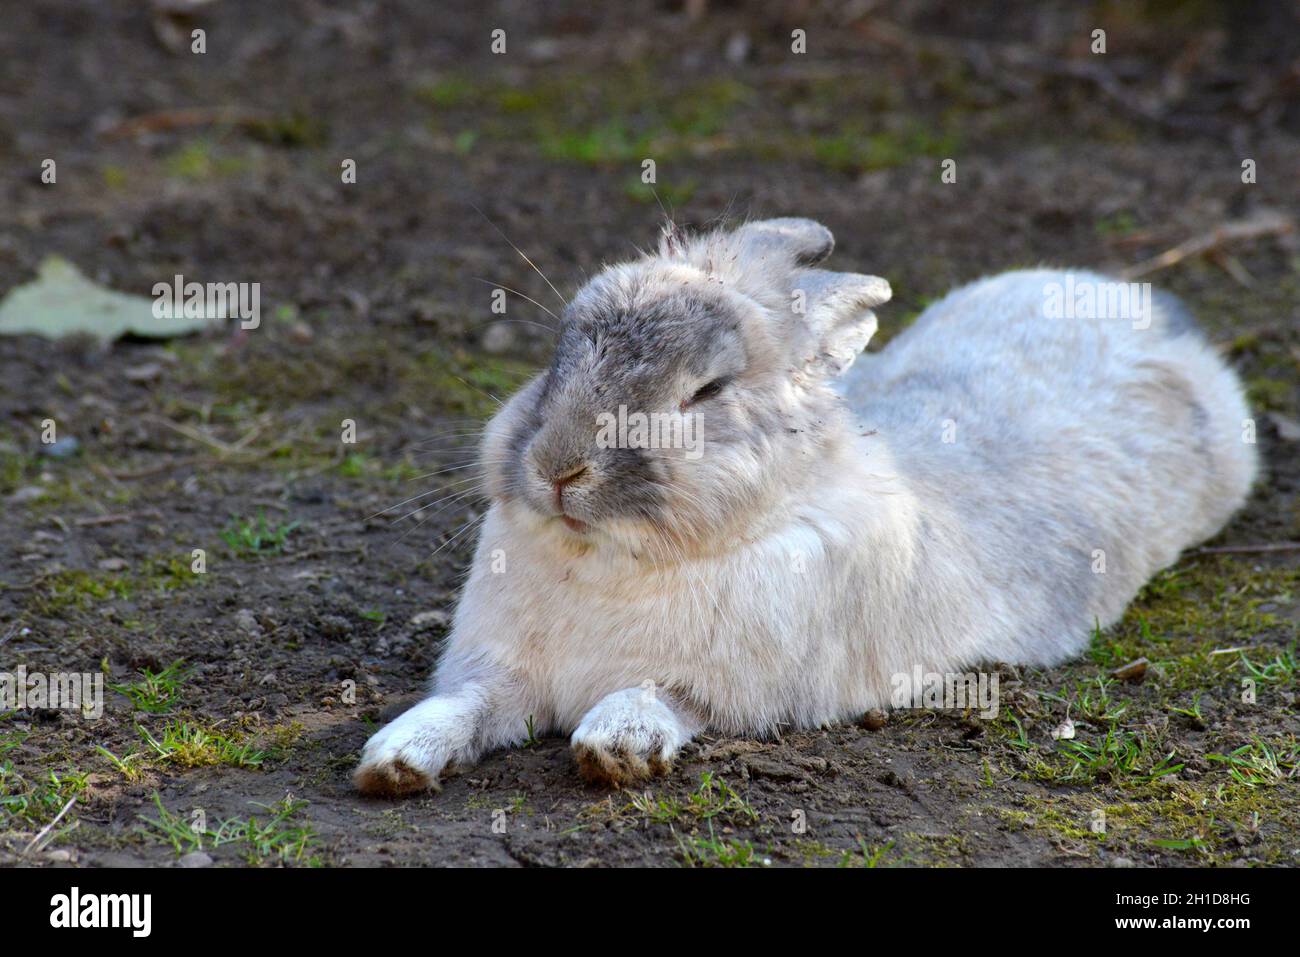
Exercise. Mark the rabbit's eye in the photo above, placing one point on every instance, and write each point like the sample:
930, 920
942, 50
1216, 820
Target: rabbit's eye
707, 391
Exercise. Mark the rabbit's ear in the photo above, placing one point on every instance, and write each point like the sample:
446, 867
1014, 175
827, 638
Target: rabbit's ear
836, 308
802, 242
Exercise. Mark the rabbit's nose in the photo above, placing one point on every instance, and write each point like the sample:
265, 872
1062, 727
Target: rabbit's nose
559, 482
572, 475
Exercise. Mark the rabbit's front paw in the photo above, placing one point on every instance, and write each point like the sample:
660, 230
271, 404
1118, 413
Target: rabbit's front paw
407, 755
627, 737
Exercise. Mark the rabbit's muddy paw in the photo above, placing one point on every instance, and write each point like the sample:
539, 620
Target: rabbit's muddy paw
407, 755
628, 737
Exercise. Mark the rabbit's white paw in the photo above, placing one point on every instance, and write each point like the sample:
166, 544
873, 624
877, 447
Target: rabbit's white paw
628, 736
408, 754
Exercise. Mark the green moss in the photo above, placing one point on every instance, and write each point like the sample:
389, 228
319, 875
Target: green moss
188, 744
468, 384
1210, 820
78, 589
1266, 393
933, 850
852, 149
115, 177
1116, 225
296, 128
1186, 616
199, 160
448, 92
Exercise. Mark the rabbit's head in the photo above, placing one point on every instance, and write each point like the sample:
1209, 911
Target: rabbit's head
688, 397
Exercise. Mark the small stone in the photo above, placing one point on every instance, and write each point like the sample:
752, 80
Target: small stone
246, 622
195, 859
1121, 862
1287, 429
738, 47
62, 448
1133, 671
426, 620
875, 719
1064, 731
143, 373
28, 493
112, 564
498, 338
335, 626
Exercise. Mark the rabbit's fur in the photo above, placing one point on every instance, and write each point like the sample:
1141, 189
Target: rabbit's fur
984, 489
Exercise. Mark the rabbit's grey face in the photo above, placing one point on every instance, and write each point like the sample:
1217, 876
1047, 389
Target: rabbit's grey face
678, 408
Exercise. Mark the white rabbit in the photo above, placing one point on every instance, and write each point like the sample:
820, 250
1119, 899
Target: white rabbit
1006, 473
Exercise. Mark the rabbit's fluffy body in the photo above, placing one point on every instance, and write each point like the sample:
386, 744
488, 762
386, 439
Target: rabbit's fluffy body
986, 488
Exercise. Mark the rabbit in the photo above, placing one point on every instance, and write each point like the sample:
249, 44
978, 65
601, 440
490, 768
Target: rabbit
987, 488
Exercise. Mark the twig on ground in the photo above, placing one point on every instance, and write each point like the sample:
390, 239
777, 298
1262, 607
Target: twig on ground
166, 120
1247, 549
117, 518
1263, 223
48, 827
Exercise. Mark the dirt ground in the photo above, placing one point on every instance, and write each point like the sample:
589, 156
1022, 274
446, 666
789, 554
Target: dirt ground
244, 693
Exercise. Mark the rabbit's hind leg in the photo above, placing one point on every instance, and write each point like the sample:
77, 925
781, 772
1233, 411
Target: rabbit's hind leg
629, 736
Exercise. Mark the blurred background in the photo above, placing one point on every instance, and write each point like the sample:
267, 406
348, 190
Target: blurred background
226, 166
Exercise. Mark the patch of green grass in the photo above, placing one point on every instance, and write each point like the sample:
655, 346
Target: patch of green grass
713, 798
699, 851
1193, 713
33, 801
1260, 764
1009, 726
278, 835
1091, 701
189, 745
1118, 754
129, 766
1280, 670
532, 740
158, 692
865, 855
249, 538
